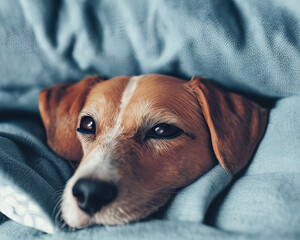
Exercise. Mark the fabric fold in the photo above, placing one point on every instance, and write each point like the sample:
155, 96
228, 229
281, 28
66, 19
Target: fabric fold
191, 203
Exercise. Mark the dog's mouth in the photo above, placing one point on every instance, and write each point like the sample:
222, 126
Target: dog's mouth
89, 202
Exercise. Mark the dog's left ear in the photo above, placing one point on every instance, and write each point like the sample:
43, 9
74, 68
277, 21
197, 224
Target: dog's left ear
60, 106
236, 124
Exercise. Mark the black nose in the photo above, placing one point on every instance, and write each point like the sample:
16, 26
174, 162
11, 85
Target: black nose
92, 195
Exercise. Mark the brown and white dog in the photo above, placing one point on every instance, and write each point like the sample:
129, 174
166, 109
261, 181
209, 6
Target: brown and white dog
140, 138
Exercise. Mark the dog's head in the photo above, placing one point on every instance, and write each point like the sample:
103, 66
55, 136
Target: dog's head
140, 138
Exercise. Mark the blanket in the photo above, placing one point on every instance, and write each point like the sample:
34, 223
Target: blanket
250, 47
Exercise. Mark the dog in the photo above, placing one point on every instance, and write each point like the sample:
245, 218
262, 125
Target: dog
138, 139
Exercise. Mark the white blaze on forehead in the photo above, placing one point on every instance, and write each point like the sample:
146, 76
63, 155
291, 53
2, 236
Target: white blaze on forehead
127, 94
113, 132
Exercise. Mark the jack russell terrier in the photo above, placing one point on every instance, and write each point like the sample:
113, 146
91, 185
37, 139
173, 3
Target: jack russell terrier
138, 139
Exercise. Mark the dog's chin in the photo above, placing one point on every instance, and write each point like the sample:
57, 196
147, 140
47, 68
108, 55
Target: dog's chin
113, 214
124, 209
107, 216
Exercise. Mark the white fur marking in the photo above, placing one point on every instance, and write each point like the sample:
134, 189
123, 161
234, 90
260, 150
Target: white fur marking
102, 154
127, 94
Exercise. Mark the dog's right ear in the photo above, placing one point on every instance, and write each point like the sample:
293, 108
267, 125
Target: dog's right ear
59, 107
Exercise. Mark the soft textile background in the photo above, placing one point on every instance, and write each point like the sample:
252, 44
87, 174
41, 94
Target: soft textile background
247, 46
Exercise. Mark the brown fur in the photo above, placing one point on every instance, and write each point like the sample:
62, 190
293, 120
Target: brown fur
218, 126
59, 107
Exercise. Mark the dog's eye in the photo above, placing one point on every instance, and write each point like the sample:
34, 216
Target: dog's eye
164, 130
87, 125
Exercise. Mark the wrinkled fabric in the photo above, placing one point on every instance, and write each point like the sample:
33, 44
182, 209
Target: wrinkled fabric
251, 47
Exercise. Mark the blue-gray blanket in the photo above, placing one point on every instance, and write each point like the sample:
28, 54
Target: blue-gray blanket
252, 47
